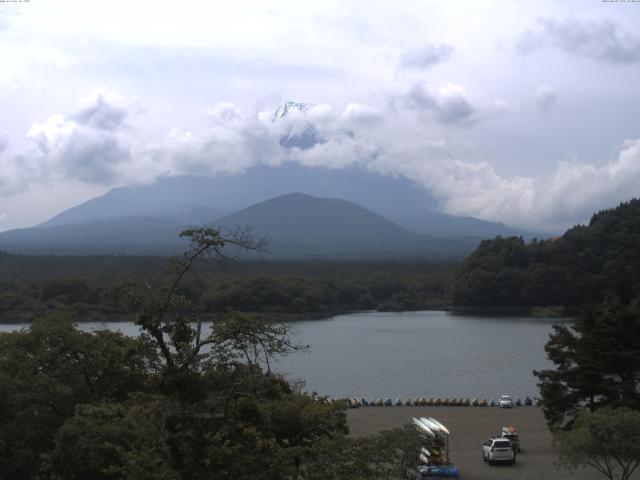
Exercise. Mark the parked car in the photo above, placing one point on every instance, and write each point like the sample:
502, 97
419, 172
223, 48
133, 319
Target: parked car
498, 449
505, 401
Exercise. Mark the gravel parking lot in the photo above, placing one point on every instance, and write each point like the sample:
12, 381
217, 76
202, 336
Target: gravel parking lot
470, 427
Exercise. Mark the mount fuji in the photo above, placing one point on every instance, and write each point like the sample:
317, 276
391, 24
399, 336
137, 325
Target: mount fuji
128, 215
302, 134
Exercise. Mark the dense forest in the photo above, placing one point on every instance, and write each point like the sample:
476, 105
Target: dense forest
172, 403
32, 286
569, 271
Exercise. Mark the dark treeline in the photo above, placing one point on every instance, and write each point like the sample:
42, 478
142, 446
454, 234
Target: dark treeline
572, 270
569, 271
32, 286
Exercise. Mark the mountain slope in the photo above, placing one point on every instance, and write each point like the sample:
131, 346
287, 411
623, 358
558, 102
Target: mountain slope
301, 225
396, 198
126, 235
300, 218
298, 226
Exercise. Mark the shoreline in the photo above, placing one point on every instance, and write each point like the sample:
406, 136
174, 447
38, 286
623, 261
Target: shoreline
568, 315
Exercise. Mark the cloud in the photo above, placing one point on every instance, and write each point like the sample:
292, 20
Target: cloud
447, 105
601, 40
501, 106
89, 145
233, 141
577, 190
93, 145
101, 110
357, 114
569, 195
16, 173
426, 56
236, 140
545, 98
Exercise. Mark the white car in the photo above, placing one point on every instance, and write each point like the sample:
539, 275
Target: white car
498, 449
505, 401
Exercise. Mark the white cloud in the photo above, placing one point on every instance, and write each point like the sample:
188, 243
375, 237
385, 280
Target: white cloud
233, 141
102, 110
569, 195
357, 57
89, 145
448, 104
426, 56
357, 114
601, 40
500, 105
577, 190
73, 150
93, 146
545, 98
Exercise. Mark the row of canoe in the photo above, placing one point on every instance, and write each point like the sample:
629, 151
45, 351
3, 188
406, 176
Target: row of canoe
446, 402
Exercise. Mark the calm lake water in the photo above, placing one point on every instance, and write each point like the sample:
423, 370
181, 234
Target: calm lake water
430, 354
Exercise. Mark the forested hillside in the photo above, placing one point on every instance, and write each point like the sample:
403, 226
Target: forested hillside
574, 269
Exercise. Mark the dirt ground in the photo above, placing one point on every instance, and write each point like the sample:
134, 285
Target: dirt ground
470, 427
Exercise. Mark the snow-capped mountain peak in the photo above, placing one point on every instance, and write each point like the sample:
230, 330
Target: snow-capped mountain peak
288, 107
300, 132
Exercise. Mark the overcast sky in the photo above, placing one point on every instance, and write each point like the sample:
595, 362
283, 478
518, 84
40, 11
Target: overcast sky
521, 112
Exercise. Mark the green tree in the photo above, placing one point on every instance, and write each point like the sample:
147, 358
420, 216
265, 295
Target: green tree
597, 362
224, 412
113, 441
579, 267
392, 454
607, 440
50, 368
180, 401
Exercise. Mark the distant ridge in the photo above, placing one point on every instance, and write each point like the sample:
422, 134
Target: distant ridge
395, 198
297, 225
125, 235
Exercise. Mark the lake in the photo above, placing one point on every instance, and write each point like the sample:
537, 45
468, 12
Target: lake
426, 354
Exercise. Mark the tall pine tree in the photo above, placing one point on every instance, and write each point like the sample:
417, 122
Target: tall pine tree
597, 361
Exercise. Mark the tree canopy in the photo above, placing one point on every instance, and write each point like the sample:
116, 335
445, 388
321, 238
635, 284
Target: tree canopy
176, 402
32, 287
607, 440
574, 269
597, 362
